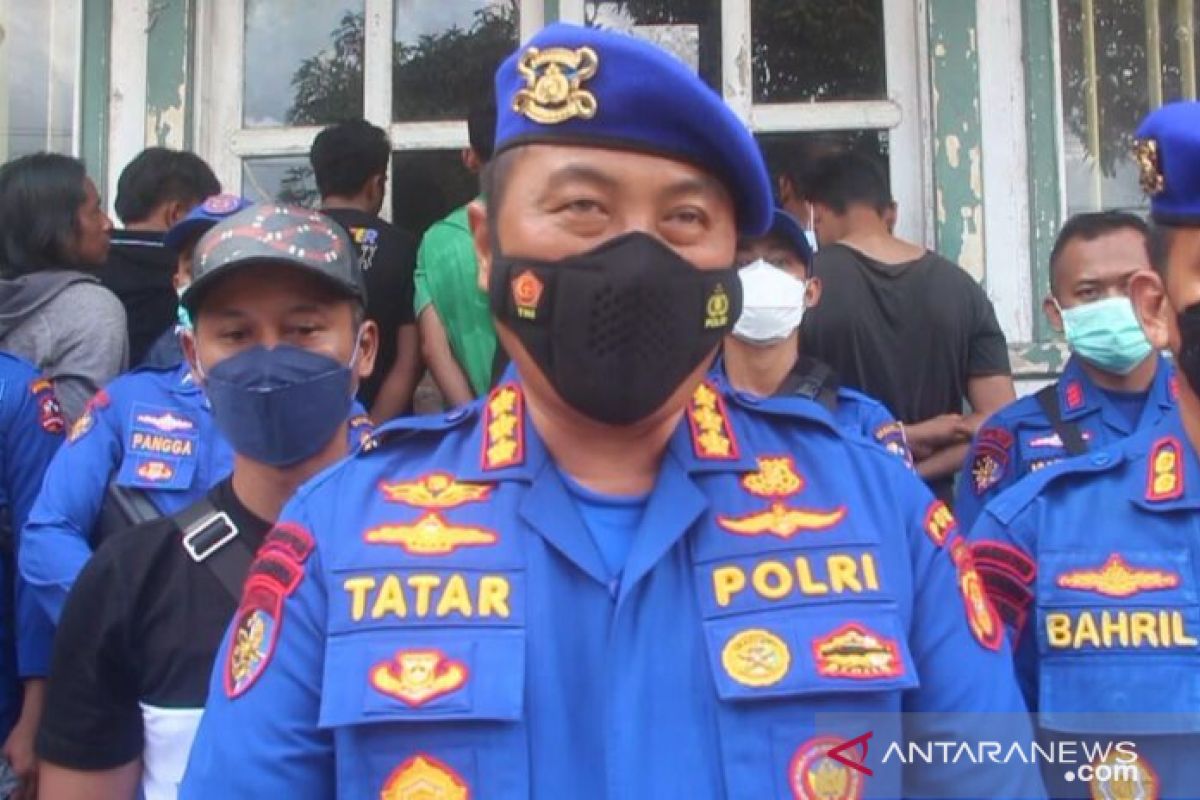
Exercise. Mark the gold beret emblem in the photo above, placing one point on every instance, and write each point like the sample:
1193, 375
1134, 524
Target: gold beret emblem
554, 79
1152, 180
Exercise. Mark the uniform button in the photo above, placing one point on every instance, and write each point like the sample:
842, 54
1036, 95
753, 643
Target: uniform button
456, 414
1100, 459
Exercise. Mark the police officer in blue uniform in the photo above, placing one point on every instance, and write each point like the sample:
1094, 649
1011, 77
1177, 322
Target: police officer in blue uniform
145, 447
1114, 383
763, 355
604, 579
31, 429
1092, 561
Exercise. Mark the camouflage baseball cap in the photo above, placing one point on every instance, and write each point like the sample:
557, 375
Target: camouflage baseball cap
281, 234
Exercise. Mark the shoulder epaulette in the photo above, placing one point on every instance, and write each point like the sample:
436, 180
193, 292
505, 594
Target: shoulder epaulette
404, 427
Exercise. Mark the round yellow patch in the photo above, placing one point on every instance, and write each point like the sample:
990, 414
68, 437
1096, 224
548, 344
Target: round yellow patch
1116, 777
756, 657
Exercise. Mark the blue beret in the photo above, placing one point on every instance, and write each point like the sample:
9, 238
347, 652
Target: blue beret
785, 226
1168, 155
570, 84
202, 217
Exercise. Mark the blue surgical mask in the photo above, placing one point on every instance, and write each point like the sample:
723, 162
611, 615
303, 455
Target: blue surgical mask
1106, 334
279, 406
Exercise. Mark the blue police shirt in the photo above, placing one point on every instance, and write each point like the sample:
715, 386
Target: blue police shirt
433, 615
1019, 439
149, 430
31, 429
612, 520
1092, 563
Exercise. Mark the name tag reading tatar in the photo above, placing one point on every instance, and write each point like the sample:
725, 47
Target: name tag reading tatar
425, 595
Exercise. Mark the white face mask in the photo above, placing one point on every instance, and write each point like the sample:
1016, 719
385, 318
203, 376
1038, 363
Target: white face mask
772, 304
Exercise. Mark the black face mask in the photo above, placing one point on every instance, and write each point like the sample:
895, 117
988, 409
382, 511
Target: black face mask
1189, 345
617, 329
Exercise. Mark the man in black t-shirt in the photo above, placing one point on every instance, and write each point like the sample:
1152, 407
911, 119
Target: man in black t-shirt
156, 190
350, 161
900, 323
279, 344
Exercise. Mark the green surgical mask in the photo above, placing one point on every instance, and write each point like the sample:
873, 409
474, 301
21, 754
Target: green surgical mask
1106, 334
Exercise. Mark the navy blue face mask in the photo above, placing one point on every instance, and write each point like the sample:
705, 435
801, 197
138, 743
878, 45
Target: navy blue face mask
279, 406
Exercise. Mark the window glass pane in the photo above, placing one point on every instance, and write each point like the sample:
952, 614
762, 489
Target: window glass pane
39, 55
303, 62
790, 155
446, 54
817, 50
691, 29
427, 185
287, 180
1118, 61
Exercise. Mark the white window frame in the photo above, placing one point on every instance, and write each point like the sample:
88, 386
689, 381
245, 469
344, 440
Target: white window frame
224, 142
904, 114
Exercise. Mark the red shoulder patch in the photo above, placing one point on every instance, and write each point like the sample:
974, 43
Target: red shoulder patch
50, 413
990, 463
982, 618
1008, 574
1074, 395
274, 575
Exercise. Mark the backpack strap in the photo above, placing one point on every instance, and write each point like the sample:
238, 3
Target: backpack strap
1068, 432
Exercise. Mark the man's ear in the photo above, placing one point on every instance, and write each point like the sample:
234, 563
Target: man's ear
174, 211
368, 349
1053, 315
812, 293
1149, 299
187, 343
481, 233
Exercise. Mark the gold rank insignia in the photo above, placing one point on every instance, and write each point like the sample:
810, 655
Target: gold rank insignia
431, 535
815, 775
423, 777
756, 657
435, 490
712, 437
554, 80
504, 428
1150, 175
1117, 578
1124, 779
777, 479
415, 677
853, 651
1165, 481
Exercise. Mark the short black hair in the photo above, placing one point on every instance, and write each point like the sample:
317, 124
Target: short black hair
481, 129
160, 175
1091, 225
347, 154
842, 180
40, 197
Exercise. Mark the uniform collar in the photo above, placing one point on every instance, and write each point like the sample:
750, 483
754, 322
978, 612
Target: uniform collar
1167, 473
1078, 396
184, 382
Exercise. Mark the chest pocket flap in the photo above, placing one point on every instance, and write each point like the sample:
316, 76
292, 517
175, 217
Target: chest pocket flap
423, 675
1118, 641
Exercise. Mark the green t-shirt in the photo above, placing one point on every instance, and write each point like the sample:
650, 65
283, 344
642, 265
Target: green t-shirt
446, 277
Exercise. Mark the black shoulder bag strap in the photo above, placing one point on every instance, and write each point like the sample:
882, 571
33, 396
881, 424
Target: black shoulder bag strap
1072, 437
211, 539
812, 379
